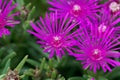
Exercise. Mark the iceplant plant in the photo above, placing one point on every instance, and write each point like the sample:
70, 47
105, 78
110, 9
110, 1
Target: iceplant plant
106, 22
7, 19
54, 34
81, 10
97, 52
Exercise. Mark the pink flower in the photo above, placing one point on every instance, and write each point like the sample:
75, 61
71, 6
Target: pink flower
97, 52
105, 23
92, 79
78, 9
54, 35
6, 19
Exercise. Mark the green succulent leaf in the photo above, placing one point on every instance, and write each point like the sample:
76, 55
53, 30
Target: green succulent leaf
7, 66
75, 78
20, 65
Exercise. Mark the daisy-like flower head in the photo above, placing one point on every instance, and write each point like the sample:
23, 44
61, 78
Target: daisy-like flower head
106, 22
98, 52
6, 19
78, 9
113, 6
55, 34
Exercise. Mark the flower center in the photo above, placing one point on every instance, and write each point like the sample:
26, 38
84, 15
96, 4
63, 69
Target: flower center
96, 54
56, 41
76, 10
114, 6
102, 28
76, 7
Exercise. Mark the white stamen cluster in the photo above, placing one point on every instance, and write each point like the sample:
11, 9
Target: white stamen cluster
76, 7
56, 38
96, 51
114, 6
102, 28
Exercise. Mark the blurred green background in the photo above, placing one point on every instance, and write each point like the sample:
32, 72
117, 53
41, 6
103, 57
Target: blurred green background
20, 53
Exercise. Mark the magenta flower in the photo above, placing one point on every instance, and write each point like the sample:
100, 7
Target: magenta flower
6, 19
113, 6
92, 79
106, 22
78, 9
97, 52
55, 34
